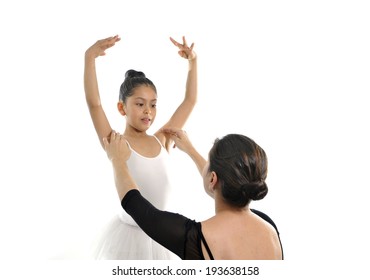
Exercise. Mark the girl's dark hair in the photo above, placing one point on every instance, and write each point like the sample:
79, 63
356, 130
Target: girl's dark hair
241, 167
132, 80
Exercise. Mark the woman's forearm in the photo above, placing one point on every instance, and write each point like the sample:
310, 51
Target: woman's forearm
199, 161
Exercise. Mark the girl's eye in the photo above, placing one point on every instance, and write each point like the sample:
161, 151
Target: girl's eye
154, 105
140, 104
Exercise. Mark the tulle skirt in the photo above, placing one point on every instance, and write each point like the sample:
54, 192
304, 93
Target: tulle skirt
123, 239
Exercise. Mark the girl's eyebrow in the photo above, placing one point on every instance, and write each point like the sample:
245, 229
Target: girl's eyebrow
142, 98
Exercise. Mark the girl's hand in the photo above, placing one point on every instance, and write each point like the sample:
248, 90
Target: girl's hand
117, 148
98, 49
184, 50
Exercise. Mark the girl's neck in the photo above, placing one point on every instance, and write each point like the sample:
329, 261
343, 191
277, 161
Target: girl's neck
132, 132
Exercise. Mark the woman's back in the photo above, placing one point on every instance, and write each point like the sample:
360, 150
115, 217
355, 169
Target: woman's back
241, 234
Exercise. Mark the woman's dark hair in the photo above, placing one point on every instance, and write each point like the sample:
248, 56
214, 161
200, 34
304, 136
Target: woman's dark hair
132, 80
241, 167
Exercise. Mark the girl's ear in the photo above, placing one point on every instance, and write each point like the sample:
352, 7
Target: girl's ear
121, 108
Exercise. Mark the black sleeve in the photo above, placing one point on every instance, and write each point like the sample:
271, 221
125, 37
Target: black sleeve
168, 229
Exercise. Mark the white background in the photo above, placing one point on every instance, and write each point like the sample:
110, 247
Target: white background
292, 75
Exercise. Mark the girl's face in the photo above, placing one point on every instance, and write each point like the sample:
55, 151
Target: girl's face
140, 108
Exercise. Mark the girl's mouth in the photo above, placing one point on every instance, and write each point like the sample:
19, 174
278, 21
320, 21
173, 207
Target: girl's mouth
146, 120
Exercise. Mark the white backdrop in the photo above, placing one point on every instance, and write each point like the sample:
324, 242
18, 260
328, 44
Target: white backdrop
292, 75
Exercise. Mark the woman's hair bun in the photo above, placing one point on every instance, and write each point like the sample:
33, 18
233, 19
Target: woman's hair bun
134, 74
255, 190
241, 195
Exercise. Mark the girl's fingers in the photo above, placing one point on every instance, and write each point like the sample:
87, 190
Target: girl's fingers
108, 42
177, 44
174, 42
111, 38
184, 41
114, 39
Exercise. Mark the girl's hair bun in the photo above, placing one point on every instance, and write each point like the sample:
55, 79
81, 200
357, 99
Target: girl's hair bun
133, 79
134, 74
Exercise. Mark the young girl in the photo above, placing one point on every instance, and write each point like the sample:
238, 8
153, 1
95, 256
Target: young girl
123, 239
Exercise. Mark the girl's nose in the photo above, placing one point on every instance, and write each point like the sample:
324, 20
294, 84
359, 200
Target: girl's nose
147, 110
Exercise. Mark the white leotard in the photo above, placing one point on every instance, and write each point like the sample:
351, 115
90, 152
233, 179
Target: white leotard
151, 176
122, 238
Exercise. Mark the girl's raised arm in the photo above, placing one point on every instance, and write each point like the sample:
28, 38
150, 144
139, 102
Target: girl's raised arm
182, 113
100, 121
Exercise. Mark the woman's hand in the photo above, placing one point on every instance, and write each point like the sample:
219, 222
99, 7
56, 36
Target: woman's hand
98, 49
184, 50
183, 143
117, 148
118, 152
180, 138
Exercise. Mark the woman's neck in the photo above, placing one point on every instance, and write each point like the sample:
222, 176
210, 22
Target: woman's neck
222, 207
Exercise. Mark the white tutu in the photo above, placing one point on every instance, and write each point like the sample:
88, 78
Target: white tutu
122, 239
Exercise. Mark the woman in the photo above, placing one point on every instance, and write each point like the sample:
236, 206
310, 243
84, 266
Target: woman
234, 175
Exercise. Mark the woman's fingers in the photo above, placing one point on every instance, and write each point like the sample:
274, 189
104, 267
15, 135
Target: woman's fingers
113, 135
